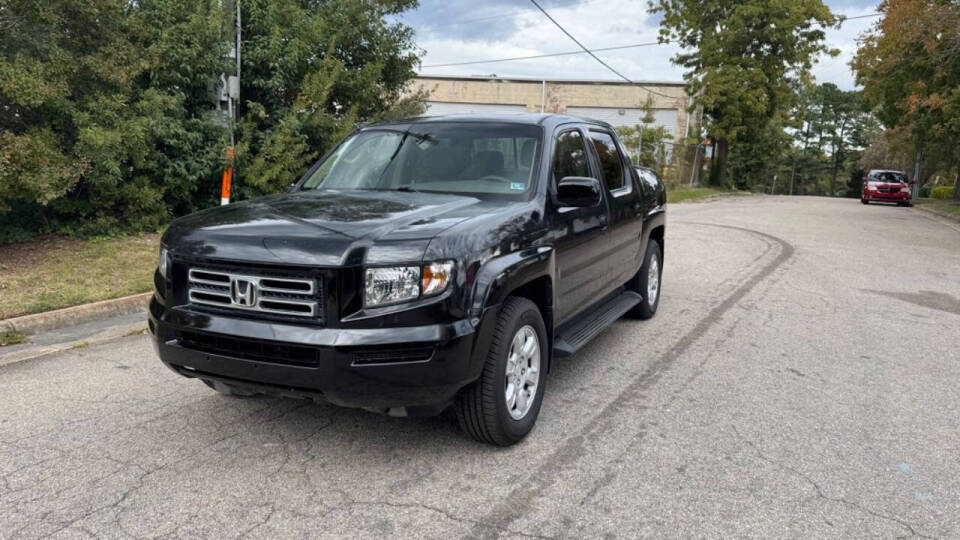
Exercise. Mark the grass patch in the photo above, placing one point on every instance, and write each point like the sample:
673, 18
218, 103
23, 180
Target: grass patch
690, 194
55, 272
11, 337
945, 207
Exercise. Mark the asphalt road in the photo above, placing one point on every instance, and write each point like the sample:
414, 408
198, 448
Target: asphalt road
801, 379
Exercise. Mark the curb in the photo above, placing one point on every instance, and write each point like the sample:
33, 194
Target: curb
39, 322
949, 221
31, 352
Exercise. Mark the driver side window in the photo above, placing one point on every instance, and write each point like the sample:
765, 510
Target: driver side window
570, 156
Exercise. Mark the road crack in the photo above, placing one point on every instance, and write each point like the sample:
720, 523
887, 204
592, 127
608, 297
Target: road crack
819, 490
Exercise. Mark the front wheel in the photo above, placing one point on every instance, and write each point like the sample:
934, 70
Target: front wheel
864, 201
647, 283
502, 406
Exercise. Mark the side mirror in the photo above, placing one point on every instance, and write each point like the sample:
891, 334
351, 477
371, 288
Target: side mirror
578, 191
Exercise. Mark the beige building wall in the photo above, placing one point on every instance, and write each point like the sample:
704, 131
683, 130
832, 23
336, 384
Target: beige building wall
556, 96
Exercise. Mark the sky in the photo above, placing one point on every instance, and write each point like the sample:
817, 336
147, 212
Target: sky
466, 30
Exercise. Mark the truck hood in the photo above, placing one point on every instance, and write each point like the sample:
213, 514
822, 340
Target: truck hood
320, 228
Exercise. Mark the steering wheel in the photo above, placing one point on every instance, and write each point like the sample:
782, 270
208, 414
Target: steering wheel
495, 178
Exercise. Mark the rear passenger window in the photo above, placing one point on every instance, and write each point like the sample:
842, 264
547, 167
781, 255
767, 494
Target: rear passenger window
610, 159
570, 158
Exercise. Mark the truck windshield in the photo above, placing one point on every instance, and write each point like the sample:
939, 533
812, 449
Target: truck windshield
468, 158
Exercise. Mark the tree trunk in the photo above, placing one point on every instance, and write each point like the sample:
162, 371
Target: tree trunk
837, 152
831, 188
956, 184
833, 178
723, 148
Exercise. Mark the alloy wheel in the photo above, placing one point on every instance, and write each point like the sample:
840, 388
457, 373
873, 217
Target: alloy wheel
653, 281
523, 372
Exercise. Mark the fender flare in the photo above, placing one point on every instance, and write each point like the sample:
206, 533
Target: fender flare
655, 219
500, 275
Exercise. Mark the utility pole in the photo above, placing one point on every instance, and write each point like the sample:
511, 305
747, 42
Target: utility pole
233, 111
236, 109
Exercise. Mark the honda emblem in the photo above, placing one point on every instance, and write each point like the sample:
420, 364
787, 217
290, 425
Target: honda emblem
243, 292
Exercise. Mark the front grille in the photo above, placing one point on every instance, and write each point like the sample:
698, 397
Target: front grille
273, 294
261, 351
889, 190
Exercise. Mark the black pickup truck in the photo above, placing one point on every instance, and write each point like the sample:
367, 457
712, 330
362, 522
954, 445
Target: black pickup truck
419, 265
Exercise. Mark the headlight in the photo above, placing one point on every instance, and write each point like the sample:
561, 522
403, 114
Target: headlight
383, 286
391, 285
163, 263
904, 190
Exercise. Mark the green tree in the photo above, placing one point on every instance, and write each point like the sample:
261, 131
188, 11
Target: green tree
743, 59
104, 123
312, 72
652, 141
909, 66
841, 110
108, 117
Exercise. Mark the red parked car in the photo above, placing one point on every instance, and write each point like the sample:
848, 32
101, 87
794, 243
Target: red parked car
886, 186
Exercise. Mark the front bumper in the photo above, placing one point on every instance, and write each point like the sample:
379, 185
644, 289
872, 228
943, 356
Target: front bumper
872, 195
419, 369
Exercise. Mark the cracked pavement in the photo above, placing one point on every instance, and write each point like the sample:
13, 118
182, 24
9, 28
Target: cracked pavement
801, 379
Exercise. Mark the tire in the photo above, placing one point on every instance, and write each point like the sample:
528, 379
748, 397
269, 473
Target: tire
646, 309
225, 389
483, 409
864, 201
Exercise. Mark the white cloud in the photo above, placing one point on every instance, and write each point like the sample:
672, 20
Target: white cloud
837, 69
596, 23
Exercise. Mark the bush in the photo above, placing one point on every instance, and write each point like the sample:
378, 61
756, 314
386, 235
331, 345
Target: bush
942, 192
107, 121
925, 191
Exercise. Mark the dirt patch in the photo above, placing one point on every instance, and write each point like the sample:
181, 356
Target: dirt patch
15, 257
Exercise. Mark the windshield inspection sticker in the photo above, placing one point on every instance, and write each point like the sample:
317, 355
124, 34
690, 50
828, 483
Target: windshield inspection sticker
518, 186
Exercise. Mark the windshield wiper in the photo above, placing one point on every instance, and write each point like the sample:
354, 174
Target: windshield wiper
406, 189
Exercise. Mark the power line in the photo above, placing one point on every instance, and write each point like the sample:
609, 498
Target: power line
588, 51
550, 55
573, 53
569, 35
860, 17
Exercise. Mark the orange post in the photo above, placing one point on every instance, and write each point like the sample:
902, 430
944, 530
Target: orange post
227, 178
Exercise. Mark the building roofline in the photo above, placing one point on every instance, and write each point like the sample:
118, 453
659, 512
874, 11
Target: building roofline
679, 84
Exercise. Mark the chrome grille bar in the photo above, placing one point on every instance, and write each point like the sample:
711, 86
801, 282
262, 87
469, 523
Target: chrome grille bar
287, 296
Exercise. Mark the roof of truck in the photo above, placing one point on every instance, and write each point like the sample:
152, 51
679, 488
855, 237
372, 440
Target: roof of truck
540, 119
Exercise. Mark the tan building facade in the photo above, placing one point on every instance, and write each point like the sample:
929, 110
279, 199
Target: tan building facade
619, 103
